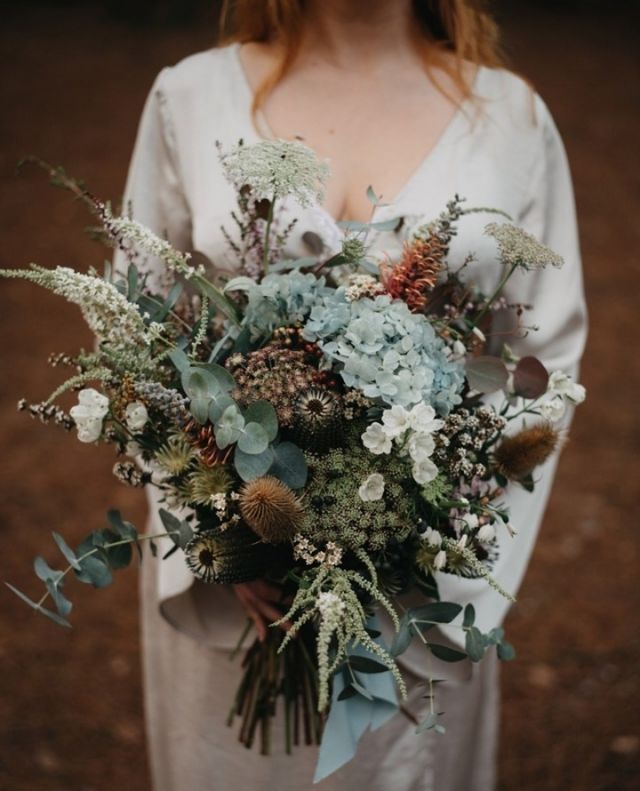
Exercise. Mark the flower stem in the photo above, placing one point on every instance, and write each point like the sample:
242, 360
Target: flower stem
491, 300
267, 235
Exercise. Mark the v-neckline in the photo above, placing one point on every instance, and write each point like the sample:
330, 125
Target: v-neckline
267, 134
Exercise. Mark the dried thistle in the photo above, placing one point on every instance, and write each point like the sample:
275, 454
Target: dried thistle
517, 456
271, 509
206, 482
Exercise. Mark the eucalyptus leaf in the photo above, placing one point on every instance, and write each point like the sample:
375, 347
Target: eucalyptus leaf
348, 692
53, 616
506, 652
435, 612
371, 196
94, 572
486, 373
474, 644
361, 690
63, 605
289, 465
241, 283
387, 225
495, 636
363, 664
469, 615
66, 550
402, 638
254, 439
45, 572
179, 359
264, 413
220, 375
122, 528
299, 263
250, 466
217, 406
445, 653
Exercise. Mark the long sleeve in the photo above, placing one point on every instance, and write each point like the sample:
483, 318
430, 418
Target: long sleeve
558, 309
154, 193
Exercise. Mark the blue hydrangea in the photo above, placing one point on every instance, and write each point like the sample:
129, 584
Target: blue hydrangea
385, 350
279, 300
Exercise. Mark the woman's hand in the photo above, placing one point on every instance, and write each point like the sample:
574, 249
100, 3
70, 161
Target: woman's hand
258, 598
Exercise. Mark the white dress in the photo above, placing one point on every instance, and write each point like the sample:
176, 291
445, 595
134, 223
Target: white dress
508, 155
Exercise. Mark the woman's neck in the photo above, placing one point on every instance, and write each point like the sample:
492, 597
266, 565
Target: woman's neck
358, 34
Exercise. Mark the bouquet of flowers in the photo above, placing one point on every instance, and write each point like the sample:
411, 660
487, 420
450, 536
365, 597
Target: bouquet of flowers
322, 423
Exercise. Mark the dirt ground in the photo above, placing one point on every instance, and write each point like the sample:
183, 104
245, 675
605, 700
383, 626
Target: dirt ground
72, 86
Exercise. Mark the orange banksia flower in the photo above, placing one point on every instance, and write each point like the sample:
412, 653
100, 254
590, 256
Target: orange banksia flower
517, 456
413, 278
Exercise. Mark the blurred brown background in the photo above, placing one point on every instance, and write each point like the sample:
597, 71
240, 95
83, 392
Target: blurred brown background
73, 80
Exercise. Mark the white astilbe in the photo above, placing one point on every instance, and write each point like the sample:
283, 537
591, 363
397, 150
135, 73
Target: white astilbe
342, 619
108, 313
276, 168
521, 249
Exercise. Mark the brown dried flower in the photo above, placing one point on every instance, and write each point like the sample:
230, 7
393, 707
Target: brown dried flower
271, 509
416, 274
517, 456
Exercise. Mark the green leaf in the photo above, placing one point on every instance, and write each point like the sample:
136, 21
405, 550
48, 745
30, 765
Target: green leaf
53, 616
240, 283
66, 550
363, 664
198, 383
428, 723
132, 282
45, 572
435, 612
362, 690
220, 375
506, 652
94, 572
371, 196
123, 529
230, 426
469, 615
495, 636
200, 408
179, 531
474, 644
162, 311
486, 374
179, 359
63, 605
289, 465
387, 225
250, 466
264, 413
217, 406
119, 557
445, 653
402, 638
253, 439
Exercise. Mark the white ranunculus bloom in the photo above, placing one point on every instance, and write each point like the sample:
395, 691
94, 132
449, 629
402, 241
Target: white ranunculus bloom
421, 446
486, 533
424, 471
553, 409
372, 488
94, 401
561, 384
89, 427
395, 421
440, 560
136, 415
423, 419
376, 440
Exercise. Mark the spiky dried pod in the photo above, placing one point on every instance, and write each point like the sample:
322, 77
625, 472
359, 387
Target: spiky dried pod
318, 419
227, 558
517, 456
271, 509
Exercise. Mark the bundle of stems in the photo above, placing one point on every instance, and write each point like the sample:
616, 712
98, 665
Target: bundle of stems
269, 675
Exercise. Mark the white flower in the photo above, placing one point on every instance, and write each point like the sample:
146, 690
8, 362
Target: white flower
395, 421
560, 384
376, 439
421, 446
88, 414
424, 471
471, 520
136, 415
440, 560
330, 605
553, 409
432, 537
372, 488
458, 350
133, 449
462, 542
422, 418
486, 533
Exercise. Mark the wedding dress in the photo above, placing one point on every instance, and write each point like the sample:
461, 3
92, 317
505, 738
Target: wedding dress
504, 152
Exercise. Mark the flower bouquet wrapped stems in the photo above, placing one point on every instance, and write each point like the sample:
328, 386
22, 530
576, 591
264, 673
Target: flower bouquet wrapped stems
334, 425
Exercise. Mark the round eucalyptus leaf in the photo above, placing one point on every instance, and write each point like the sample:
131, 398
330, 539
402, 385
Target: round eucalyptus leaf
289, 465
250, 466
486, 374
530, 379
264, 413
200, 383
220, 376
217, 406
253, 439
199, 408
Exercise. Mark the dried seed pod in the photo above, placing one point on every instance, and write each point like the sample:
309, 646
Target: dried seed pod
271, 509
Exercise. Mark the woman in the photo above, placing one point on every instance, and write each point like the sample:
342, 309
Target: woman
408, 97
